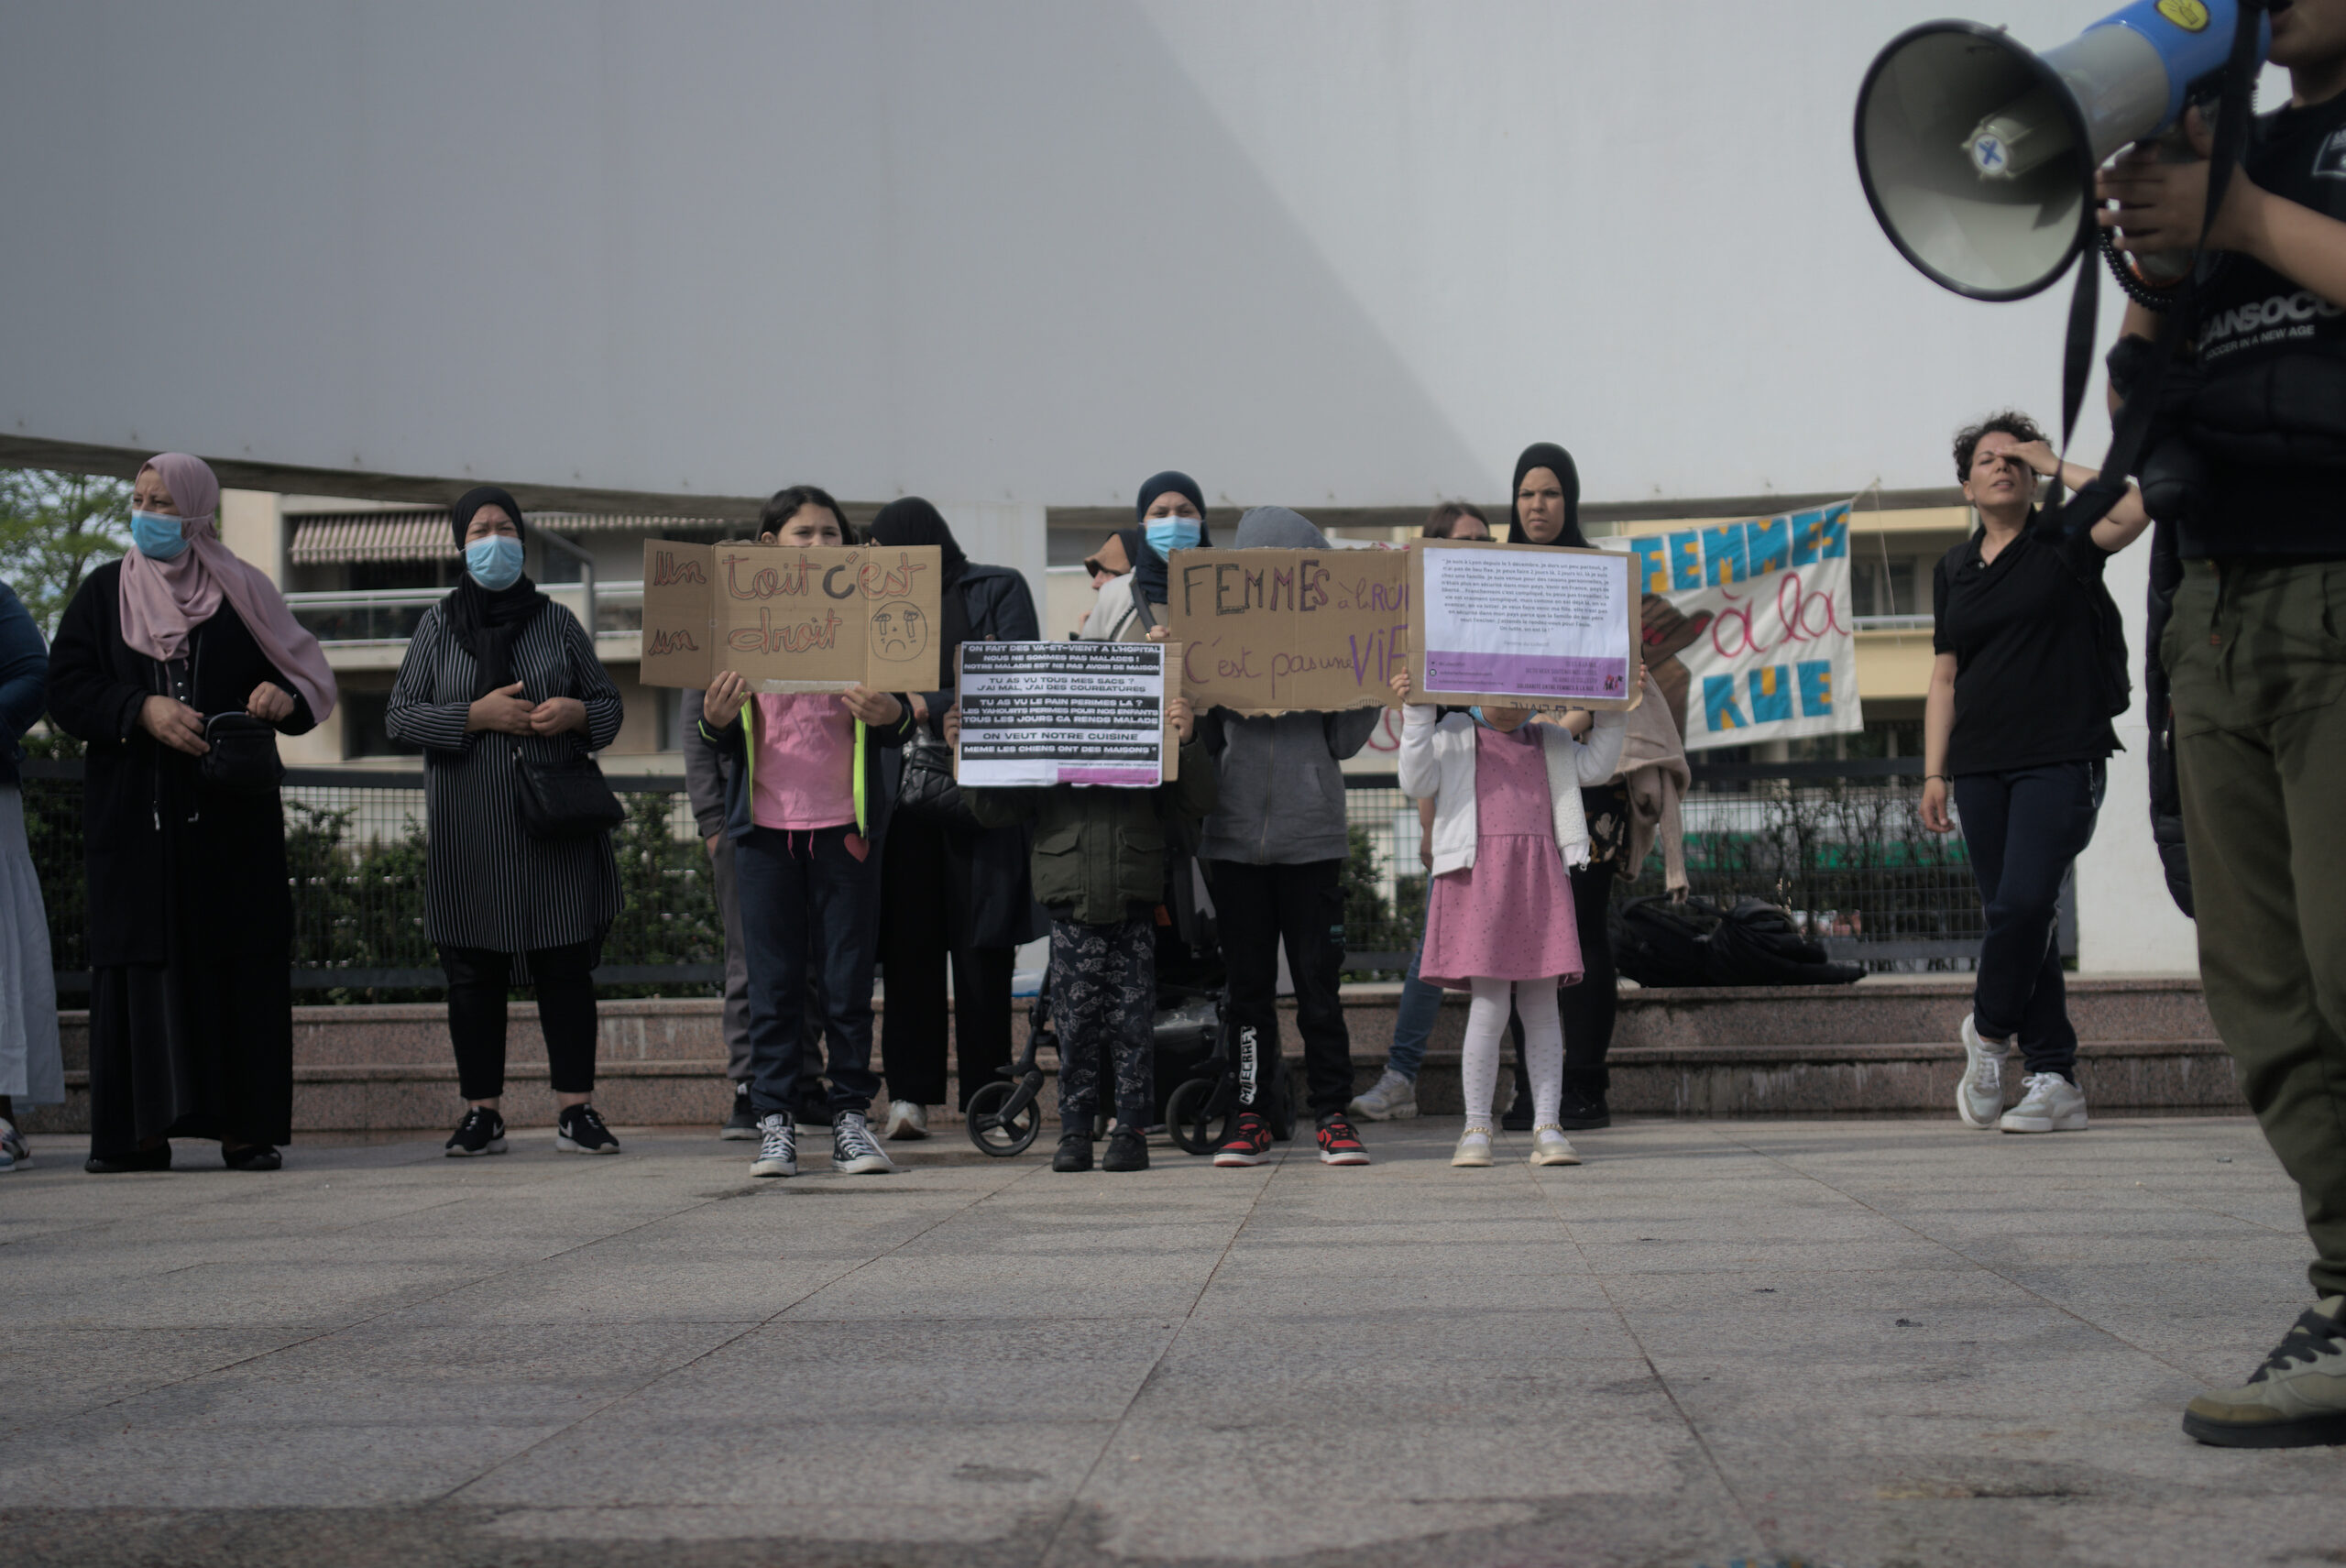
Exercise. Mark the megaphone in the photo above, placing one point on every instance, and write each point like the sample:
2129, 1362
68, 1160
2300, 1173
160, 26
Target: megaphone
1979, 156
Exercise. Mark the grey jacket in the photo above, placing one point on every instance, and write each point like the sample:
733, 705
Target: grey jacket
1282, 800
707, 772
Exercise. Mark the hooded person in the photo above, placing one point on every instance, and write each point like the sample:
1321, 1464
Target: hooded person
1170, 514
1544, 508
190, 923
499, 678
949, 887
1275, 849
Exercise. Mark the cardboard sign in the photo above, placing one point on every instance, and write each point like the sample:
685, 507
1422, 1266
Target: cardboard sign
1052, 713
1282, 631
1522, 626
792, 619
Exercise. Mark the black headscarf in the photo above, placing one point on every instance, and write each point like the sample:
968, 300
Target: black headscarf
1549, 455
484, 623
913, 521
1148, 566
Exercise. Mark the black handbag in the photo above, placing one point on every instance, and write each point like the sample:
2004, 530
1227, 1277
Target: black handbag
244, 754
928, 791
566, 799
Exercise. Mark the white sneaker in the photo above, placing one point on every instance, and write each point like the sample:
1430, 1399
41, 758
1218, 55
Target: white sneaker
1474, 1147
854, 1152
2048, 1103
1391, 1099
1549, 1146
777, 1148
1980, 1096
907, 1120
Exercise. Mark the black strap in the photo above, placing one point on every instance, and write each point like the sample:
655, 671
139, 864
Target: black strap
2132, 426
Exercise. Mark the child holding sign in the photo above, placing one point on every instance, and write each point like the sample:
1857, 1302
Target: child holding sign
1499, 919
1098, 868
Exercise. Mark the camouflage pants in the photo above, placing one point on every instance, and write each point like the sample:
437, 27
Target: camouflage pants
1104, 999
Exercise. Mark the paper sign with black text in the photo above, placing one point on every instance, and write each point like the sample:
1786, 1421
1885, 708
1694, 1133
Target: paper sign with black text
1052, 713
1521, 625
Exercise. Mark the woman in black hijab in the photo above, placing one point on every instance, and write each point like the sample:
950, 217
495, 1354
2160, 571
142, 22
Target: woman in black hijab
947, 886
1545, 510
498, 672
1170, 514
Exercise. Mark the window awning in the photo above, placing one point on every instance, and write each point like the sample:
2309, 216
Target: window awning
333, 539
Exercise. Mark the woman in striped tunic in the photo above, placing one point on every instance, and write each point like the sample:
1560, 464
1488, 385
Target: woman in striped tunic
496, 672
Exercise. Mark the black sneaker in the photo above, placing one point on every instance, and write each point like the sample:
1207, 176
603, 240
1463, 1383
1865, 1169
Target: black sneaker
1074, 1152
1248, 1140
1584, 1112
158, 1158
481, 1132
579, 1130
252, 1157
742, 1125
1127, 1150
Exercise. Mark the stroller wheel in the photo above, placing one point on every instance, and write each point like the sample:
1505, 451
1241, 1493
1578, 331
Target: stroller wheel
992, 1135
1191, 1118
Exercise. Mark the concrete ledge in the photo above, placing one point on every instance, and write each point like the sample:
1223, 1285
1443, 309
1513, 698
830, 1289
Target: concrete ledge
2150, 1049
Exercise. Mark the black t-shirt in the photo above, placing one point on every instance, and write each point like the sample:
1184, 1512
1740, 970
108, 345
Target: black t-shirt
2027, 653
2255, 315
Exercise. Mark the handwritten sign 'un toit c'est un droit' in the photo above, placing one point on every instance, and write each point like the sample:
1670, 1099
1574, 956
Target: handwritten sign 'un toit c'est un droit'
792, 619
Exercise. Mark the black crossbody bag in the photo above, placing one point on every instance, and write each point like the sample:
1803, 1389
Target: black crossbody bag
243, 756
564, 799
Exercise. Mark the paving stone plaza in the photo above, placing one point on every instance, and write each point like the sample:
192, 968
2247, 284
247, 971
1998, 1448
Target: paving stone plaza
1832, 1342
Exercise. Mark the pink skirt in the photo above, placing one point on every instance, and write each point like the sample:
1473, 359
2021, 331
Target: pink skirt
1507, 916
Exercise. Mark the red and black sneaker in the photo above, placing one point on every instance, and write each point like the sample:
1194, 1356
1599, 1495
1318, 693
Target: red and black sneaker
1339, 1145
1249, 1142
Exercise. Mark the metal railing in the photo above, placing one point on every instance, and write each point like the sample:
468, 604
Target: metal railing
1836, 842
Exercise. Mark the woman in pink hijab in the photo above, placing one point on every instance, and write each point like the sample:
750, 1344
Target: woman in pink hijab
160, 661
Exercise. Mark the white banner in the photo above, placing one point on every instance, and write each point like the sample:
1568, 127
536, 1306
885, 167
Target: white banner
1775, 655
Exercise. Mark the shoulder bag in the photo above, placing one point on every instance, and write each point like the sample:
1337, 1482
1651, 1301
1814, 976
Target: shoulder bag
243, 756
929, 790
564, 799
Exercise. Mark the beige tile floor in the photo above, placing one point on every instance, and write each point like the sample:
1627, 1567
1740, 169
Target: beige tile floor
1858, 1343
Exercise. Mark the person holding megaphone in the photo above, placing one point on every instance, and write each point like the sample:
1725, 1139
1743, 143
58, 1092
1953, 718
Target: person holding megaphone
2254, 652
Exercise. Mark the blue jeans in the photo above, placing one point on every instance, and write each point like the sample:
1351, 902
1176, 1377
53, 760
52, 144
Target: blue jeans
2023, 829
806, 903
1413, 1026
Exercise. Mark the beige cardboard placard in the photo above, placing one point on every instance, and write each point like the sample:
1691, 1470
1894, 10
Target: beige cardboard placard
1522, 625
793, 618
1287, 630
1039, 714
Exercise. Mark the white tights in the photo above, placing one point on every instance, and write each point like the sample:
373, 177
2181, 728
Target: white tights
1543, 1047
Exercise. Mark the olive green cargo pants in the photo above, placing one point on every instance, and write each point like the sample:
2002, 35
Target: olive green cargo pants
2257, 658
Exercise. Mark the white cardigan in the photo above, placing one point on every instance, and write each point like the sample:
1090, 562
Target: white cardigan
1438, 761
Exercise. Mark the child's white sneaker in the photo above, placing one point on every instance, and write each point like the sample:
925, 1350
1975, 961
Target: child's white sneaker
1474, 1147
1549, 1146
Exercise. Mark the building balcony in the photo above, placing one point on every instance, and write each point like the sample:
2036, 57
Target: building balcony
370, 629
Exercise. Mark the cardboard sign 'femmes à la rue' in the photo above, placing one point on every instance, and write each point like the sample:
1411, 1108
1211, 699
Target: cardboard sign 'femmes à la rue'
1283, 631
792, 619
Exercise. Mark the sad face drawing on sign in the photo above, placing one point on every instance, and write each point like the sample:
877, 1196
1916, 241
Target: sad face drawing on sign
899, 632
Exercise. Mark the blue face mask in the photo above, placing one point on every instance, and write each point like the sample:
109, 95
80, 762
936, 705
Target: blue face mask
495, 562
1167, 535
158, 538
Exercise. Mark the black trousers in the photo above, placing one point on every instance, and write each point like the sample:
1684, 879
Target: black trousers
2023, 830
1259, 907
564, 979
1587, 1009
925, 894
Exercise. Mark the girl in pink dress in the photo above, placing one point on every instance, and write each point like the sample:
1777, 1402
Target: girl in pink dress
1499, 922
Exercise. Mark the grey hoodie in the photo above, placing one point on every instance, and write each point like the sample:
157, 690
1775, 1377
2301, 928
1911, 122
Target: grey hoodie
1282, 800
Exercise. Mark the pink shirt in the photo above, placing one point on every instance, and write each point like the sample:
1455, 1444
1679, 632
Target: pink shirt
806, 767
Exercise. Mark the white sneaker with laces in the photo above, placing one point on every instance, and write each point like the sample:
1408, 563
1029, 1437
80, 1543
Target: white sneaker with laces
2048, 1103
1391, 1099
1549, 1146
1474, 1147
854, 1151
907, 1120
1980, 1096
777, 1148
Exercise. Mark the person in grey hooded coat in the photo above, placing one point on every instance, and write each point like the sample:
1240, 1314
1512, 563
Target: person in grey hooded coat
1274, 851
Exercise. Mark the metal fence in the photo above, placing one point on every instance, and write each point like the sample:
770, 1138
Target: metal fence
1838, 843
